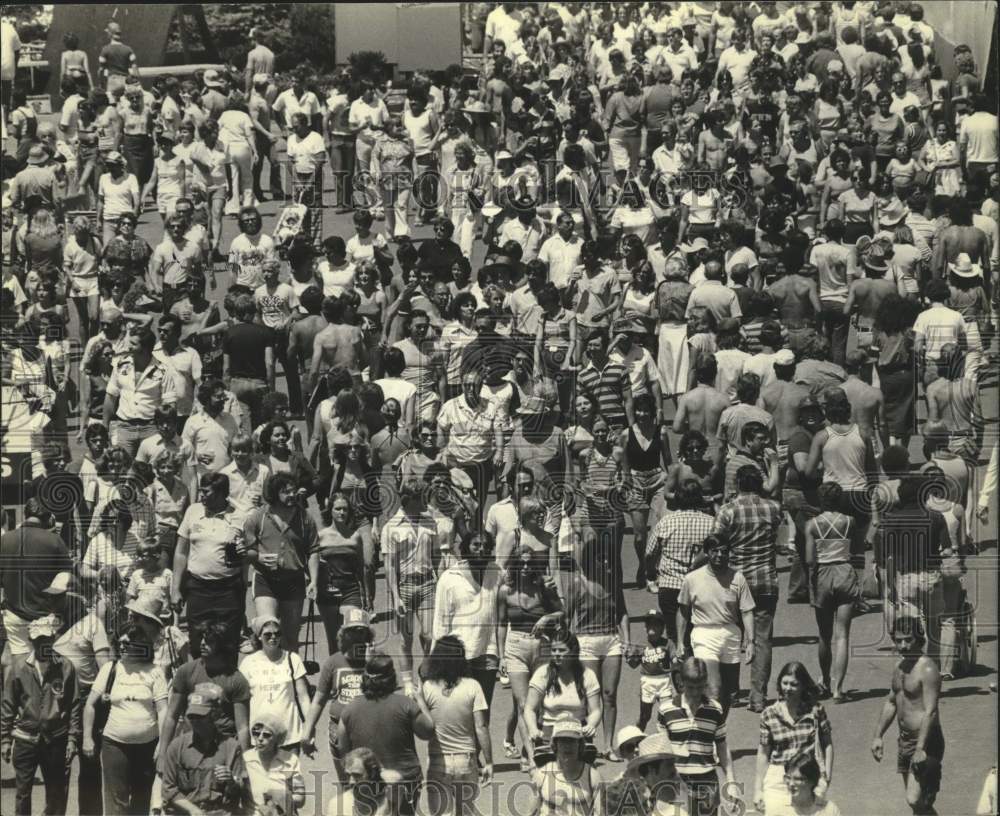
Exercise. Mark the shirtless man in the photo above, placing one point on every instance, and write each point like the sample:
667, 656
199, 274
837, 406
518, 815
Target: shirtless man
339, 344
700, 408
796, 297
954, 401
303, 332
864, 297
867, 403
781, 399
913, 702
960, 236
713, 143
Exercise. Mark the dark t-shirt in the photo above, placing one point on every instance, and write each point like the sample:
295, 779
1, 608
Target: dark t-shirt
117, 58
914, 538
341, 681
765, 113
30, 557
245, 344
440, 257
800, 441
385, 726
233, 684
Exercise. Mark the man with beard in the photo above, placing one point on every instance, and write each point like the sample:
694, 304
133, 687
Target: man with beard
913, 701
449, 514
465, 606
210, 431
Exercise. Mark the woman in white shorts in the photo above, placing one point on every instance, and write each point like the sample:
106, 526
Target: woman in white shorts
717, 607
529, 602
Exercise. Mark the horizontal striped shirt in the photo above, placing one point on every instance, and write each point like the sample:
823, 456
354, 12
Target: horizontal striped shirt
606, 387
699, 731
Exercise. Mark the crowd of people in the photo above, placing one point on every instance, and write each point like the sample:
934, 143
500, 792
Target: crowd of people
728, 253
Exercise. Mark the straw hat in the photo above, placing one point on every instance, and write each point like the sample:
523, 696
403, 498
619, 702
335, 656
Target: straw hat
964, 267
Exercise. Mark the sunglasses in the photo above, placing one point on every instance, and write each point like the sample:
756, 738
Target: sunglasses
261, 731
270, 635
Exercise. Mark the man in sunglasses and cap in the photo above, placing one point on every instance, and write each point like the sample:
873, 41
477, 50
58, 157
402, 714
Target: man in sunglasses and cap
203, 770
567, 779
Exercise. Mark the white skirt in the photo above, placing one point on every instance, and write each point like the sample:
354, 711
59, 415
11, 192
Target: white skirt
673, 359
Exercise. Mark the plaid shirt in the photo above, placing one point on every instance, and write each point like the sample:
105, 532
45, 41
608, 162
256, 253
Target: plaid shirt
750, 524
785, 739
677, 537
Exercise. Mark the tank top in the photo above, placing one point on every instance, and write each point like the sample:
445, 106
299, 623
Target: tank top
339, 557
844, 458
602, 472
827, 115
525, 614
640, 458
833, 543
105, 136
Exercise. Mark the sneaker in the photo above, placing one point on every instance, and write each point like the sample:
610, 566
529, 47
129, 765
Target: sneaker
502, 677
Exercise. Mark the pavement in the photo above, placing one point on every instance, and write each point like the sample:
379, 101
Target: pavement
860, 786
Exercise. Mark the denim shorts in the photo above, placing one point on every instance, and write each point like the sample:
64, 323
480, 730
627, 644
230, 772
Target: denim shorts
417, 592
524, 653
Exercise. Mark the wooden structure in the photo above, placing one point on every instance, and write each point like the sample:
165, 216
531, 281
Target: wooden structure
145, 28
413, 36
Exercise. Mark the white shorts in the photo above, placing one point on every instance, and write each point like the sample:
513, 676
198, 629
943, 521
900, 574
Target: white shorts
17, 633
718, 643
624, 152
595, 647
83, 287
653, 688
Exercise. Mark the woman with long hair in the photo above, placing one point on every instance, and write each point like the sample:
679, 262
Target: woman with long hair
529, 603
344, 580
692, 464
810, 736
646, 457
117, 196
126, 250
802, 778
238, 135
366, 787
941, 157
40, 244
458, 707
896, 365
673, 354
283, 543
562, 689
169, 177
277, 679
136, 715
115, 543
828, 112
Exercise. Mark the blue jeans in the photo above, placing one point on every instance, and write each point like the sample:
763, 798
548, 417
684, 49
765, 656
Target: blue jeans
763, 628
835, 329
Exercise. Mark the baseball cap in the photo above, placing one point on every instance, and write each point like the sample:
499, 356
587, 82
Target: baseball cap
60, 584
784, 357
46, 626
204, 698
809, 401
654, 614
355, 617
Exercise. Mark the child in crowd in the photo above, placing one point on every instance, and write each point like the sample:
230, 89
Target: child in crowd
654, 663
170, 496
150, 580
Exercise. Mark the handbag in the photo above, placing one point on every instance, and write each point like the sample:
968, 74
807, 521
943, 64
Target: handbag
102, 708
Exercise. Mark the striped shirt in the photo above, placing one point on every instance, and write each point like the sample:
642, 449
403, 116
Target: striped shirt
750, 524
677, 538
699, 731
606, 386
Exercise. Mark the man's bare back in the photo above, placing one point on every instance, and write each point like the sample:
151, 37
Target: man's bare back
338, 345
866, 405
301, 336
781, 399
796, 297
699, 410
955, 403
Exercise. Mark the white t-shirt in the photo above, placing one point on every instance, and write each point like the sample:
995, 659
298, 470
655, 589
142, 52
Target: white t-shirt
452, 712
336, 281
248, 253
939, 325
566, 703
120, 197
302, 152
271, 689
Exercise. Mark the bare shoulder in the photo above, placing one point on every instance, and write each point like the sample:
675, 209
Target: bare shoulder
927, 671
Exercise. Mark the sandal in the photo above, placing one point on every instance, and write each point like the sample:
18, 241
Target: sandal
510, 750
